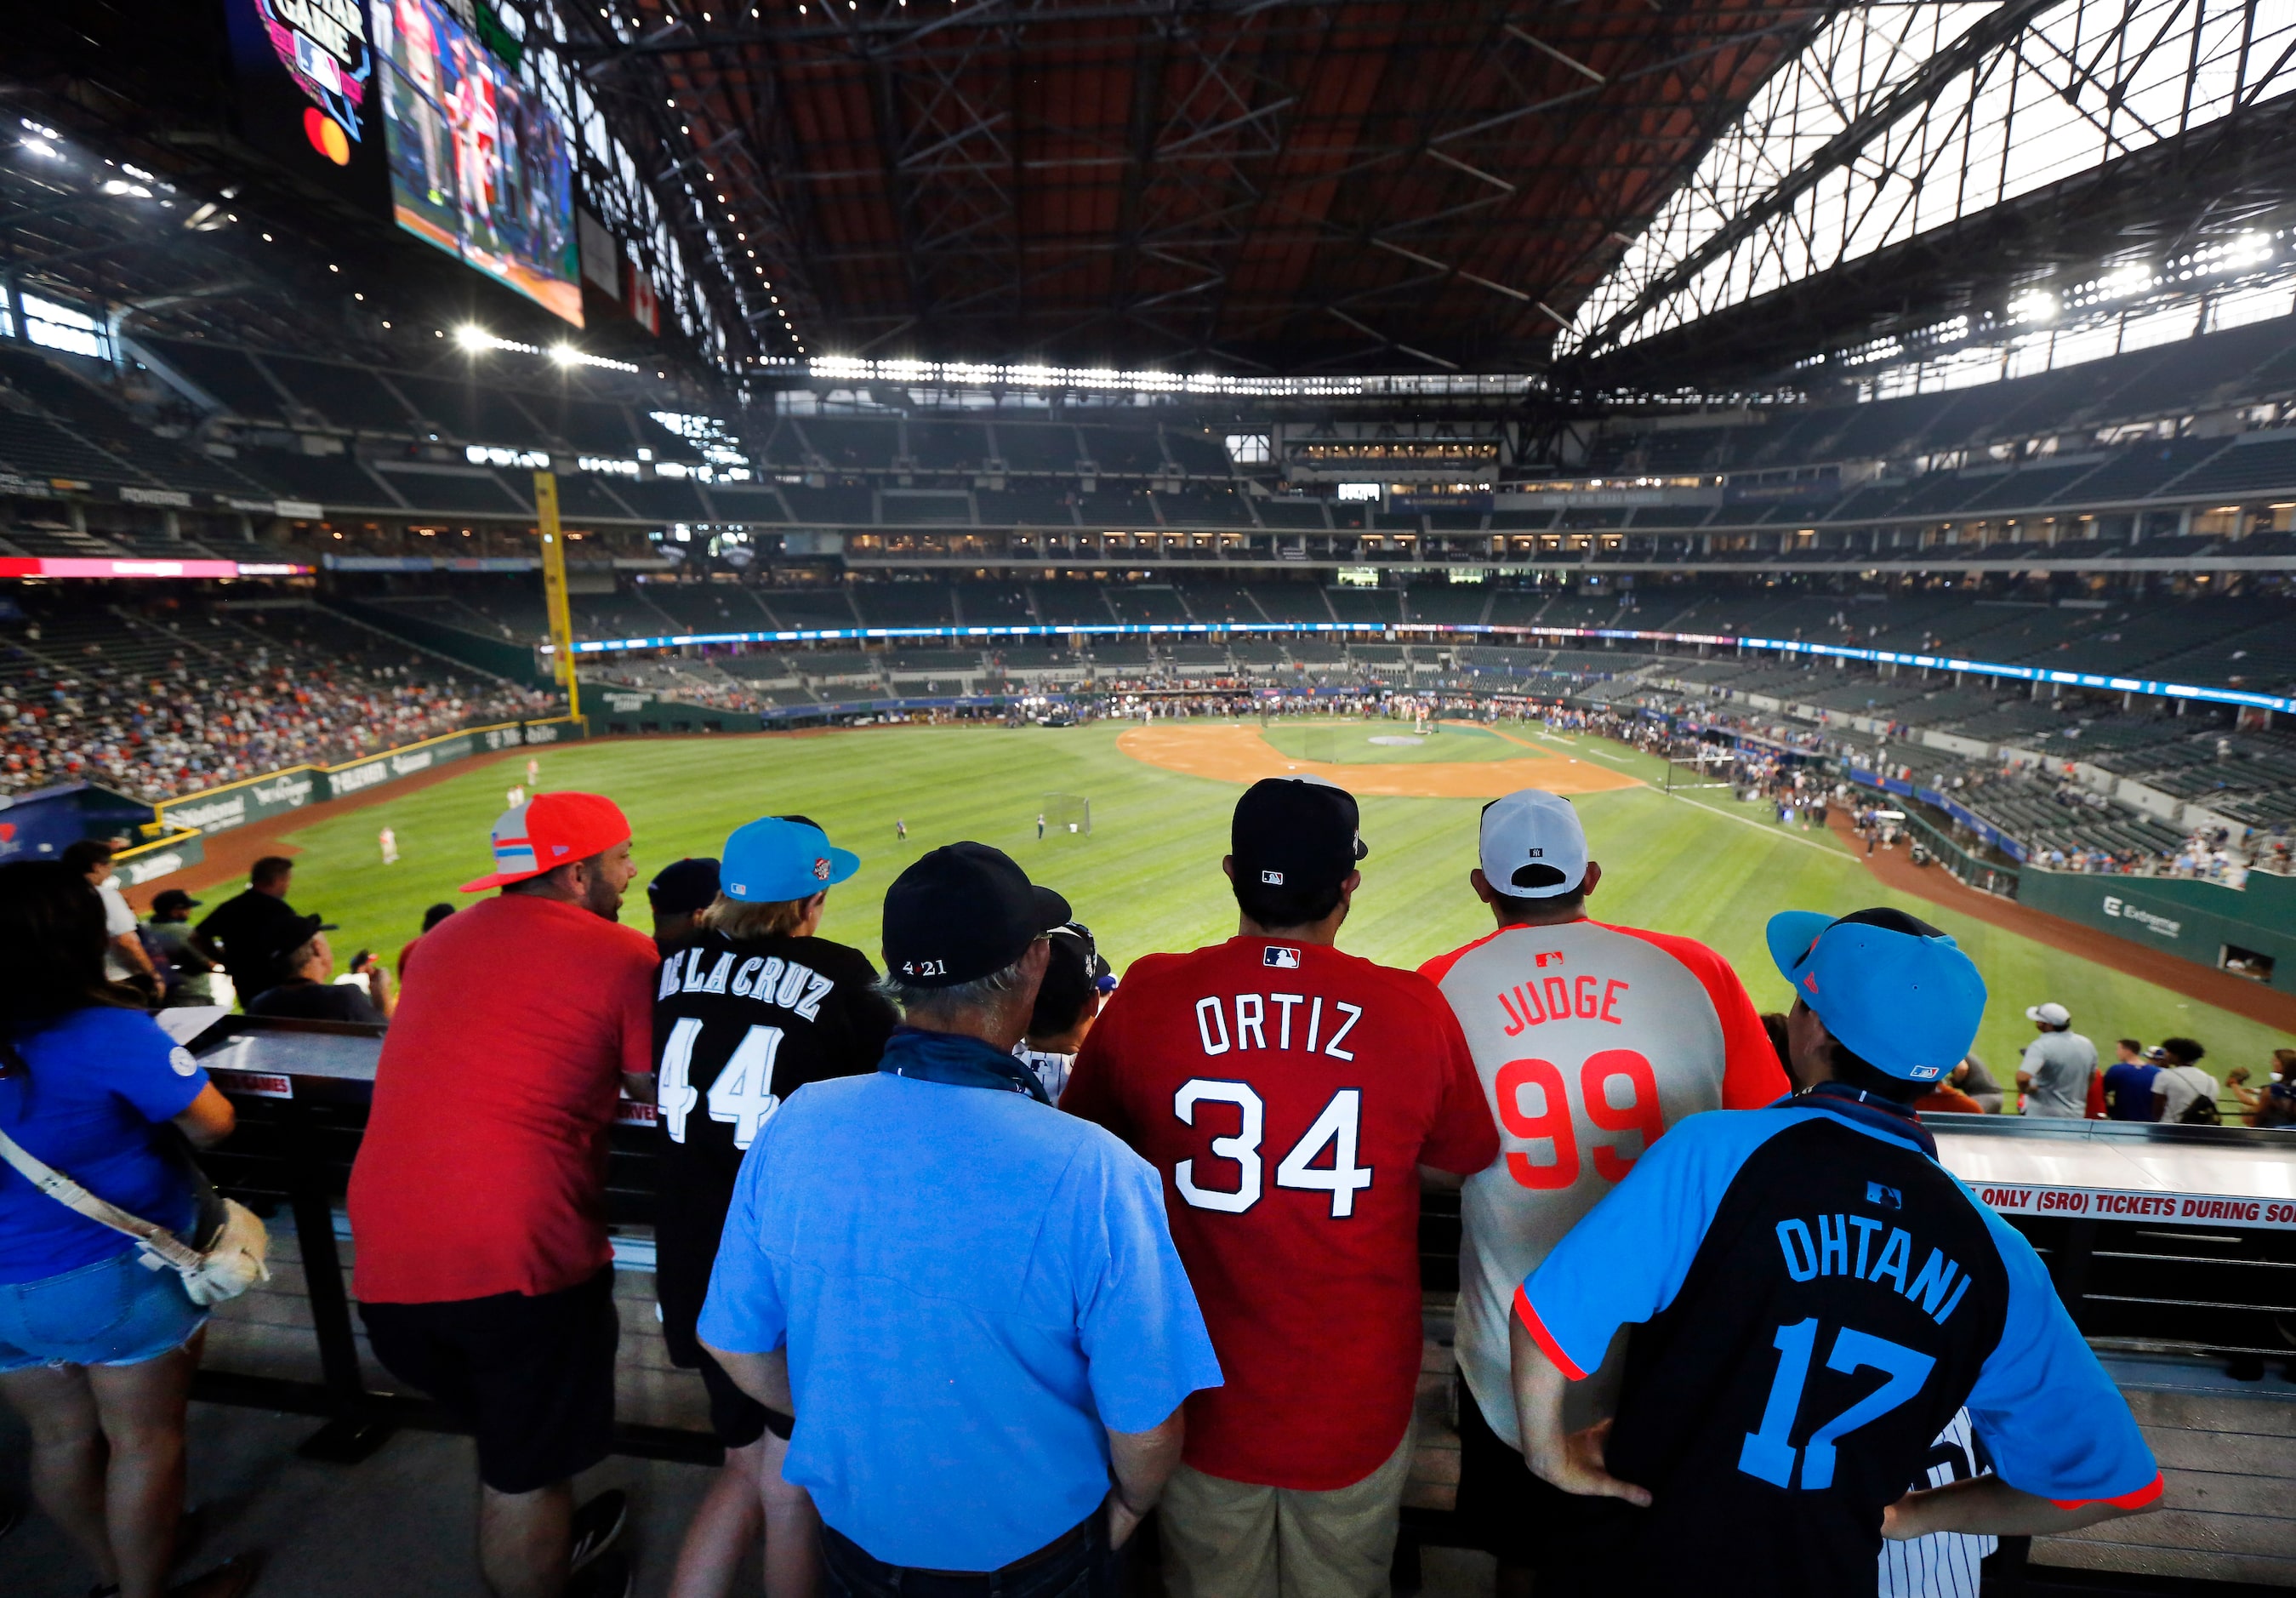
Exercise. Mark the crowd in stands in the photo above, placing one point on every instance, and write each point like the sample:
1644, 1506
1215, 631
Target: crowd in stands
157, 713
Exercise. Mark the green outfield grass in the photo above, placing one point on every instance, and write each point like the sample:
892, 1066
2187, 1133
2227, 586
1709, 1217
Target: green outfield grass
1148, 878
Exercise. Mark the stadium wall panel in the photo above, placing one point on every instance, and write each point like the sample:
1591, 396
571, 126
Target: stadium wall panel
2190, 919
490, 656
39, 825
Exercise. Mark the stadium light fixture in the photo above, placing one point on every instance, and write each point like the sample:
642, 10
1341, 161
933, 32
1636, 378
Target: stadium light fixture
470, 335
2033, 305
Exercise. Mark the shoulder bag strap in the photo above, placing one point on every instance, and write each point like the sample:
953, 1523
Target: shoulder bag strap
69, 1193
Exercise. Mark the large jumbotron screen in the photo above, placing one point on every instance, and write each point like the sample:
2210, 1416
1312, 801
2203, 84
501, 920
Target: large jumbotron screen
478, 162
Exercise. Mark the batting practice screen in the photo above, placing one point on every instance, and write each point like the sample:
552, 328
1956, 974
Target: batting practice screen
1067, 813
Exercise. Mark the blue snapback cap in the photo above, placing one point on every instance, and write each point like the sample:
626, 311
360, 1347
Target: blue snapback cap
1896, 992
778, 858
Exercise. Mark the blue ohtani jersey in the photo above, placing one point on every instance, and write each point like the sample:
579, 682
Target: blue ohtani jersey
1812, 1297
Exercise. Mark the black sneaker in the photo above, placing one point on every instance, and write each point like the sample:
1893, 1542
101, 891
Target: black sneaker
596, 1524
608, 1575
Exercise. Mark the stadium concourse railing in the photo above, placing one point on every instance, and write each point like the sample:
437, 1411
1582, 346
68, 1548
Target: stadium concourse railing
1406, 631
175, 837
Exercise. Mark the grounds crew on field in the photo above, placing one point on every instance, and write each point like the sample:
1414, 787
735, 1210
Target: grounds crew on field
1813, 1297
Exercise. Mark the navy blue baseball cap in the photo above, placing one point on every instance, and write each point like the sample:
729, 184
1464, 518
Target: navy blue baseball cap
963, 912
779, 858
684, 886
1895, 991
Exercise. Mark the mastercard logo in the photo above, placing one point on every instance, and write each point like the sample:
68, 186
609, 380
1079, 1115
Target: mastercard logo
327, 135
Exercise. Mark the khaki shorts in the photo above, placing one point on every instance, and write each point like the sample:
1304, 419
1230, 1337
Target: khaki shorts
1231, 1539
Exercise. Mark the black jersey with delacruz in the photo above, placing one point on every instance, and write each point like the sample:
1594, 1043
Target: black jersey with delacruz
1815, 1297
737, 1028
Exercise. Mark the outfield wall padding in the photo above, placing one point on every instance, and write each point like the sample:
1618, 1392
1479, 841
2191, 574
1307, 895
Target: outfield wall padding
2178, 916
274, 794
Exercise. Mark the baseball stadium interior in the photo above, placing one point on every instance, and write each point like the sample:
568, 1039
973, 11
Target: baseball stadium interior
1882, 413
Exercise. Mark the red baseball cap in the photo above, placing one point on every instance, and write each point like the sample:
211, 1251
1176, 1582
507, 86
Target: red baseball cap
548, 831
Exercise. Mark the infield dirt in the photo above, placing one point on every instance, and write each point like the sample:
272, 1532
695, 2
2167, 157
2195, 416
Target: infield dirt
1240, 754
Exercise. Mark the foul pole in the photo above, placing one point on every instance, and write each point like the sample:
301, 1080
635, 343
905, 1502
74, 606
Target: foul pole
554, 590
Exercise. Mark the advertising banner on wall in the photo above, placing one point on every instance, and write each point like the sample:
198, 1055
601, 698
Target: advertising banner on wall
359, 776
235, 804
2249, 930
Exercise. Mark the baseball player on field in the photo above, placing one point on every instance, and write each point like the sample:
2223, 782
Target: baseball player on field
1290, 1094
1591, 1040
1813, 1297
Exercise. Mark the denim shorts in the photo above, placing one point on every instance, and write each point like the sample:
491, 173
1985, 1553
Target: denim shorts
111, 1313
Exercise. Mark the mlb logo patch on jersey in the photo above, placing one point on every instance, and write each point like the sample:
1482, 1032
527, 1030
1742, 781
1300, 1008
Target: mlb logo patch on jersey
1546, 956
1280, 957
1888, 1197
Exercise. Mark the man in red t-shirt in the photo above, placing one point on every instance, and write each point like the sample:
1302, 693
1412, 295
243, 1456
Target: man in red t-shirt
1290, 1094
482, 1268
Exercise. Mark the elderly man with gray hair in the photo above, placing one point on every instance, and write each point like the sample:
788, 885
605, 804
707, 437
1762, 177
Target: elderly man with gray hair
969, 1302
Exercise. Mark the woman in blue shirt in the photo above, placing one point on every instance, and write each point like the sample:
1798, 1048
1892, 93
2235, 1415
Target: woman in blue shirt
97, 1352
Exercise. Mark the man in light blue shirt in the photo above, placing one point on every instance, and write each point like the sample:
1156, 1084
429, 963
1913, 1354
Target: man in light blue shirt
971, 1303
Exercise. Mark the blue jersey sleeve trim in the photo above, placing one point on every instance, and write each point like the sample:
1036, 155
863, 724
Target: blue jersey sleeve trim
2054, 1422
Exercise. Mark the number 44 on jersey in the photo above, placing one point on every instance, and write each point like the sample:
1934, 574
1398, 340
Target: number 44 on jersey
743, 1095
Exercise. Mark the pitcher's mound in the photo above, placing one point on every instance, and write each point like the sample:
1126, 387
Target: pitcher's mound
1240, 754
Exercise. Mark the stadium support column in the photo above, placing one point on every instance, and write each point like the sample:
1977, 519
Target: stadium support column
554, 590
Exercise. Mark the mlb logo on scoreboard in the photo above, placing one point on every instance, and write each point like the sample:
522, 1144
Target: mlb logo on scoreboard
1280, 957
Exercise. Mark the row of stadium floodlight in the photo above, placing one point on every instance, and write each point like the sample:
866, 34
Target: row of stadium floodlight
1887, 657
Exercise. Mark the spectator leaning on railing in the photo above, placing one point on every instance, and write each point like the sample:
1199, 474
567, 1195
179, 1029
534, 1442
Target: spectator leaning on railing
483, 1273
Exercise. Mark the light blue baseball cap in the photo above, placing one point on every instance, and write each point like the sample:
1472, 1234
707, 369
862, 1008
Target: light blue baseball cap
1895, 991
778, 858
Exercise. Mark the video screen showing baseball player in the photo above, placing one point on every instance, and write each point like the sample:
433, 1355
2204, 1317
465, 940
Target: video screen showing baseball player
478, 162
1813, 1297
1591, 1042
1290, 1093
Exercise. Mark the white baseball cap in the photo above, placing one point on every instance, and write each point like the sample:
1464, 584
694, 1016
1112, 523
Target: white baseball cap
1532, 847
2050, 1014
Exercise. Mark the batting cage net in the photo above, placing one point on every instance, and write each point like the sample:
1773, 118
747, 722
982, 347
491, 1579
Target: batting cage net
1066, 814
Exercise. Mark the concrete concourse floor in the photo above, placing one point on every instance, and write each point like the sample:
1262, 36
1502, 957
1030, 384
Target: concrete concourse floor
399, 1525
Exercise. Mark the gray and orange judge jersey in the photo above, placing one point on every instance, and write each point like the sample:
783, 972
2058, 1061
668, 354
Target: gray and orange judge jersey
1591, 1040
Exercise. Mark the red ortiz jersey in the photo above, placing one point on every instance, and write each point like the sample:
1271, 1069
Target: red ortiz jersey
1288, 1093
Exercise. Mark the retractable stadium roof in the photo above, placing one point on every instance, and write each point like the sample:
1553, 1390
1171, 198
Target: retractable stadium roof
1245, 185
